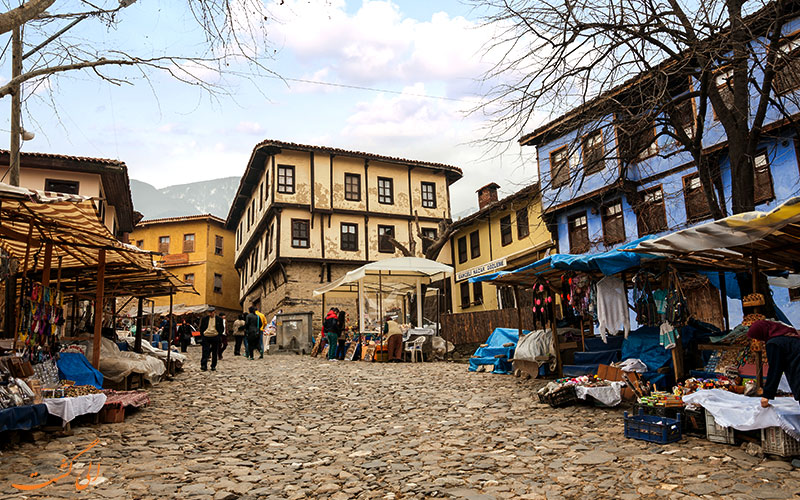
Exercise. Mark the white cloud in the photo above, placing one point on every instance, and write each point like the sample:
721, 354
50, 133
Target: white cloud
251, 128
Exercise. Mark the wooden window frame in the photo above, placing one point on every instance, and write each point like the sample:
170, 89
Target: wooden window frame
74, 186
687, 180
792, 55
650, 151
429, 196
188, 243
573, 244
523, 223
794, 294
561, 177
188, 278
219, 245
298, 238
431, 233
465, 300
283, 186
217, 289
597, 164
388, 185
607, 219
389, 248
474, 244
771, 195
461, 249
639, 212
477, 293
348, 241
161, 245
506, 238
351, 180
140, 244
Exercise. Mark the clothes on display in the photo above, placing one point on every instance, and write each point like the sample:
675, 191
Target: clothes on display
41, 321
612, 307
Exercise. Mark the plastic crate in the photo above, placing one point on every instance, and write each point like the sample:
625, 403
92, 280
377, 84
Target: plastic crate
694, 421
775, 441
652, 428
565, 396
717, 433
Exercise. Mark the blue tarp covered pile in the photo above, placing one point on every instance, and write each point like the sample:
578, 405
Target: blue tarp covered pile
74, 366
494, 347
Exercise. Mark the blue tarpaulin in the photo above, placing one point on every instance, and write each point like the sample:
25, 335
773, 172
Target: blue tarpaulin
494, 347
74, 366
19, 418
608, 263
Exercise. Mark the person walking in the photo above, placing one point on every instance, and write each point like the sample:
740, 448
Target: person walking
340, 349
262, 326
251, 332
331, 328
223, 336
184, 334
211, 327
238, 335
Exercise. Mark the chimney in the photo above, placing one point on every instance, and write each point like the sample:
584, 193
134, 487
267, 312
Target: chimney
487, 195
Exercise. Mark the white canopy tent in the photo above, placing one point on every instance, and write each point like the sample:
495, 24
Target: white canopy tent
400, 274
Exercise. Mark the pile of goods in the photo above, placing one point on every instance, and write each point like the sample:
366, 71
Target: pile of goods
692, 385
661, 399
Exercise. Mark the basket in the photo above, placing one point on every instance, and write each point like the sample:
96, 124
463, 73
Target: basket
717, 433
753, 300
652, 428
565, 396
775, 441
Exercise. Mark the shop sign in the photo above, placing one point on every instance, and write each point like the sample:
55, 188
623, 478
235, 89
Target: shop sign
482, 269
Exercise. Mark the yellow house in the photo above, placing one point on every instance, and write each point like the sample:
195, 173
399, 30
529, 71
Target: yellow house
199, 250
503, 234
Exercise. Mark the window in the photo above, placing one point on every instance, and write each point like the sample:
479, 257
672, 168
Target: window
218, 245
349, 237
523, 228
794, 294
474, 245
559, 167
352, 187
286, 179
684, 115
762, 181
613, 224
429, 236
637, 139
725, 86
695, 199
60, 186
383, 244
266, 186
249, 217
593, 152
239, 234
266, 244
163, 244
254, 261
188, 243
651, 216
140, 243
507, 299
428, 195
270, 233
477, 293
505, 230
217, 283
188, 278
462, 249
578, 233
385, 191
465, 295
300, 233
261, 196
787, 74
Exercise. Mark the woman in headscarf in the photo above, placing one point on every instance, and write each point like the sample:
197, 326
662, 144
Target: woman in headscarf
331, 328
783, 356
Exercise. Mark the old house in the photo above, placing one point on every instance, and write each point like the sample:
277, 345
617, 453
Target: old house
305, 215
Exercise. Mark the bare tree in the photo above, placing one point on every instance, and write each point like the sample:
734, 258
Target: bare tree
434, 245
659, 68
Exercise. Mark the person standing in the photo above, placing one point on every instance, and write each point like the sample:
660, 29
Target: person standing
211, 327
331, 328
184, 334
782, 344
223, 336
340, 349
394, 340
251, 332
262, 326
238, 335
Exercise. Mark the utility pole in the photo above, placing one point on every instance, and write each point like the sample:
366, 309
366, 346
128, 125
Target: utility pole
16, 105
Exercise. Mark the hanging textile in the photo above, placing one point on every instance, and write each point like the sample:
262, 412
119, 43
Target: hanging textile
612, 307
42, 318
542, 301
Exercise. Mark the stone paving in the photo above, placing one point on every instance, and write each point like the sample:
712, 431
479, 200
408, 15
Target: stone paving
297, 427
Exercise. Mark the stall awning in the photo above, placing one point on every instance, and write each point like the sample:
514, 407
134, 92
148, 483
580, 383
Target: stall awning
606, 263
773, 237
390, 269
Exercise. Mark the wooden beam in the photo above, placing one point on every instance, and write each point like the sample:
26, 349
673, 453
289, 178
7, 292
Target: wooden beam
98, 308
48, 263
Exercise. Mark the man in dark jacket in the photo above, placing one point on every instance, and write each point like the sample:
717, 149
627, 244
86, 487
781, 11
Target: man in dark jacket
184, 334
251, 331
211, 329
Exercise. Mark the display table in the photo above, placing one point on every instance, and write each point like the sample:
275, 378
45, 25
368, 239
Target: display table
609, 395
745, 413
69, 408
135, 399
22, 418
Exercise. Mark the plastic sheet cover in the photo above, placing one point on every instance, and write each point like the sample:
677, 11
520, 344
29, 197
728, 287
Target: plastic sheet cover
745, 413
535, 344
116, 365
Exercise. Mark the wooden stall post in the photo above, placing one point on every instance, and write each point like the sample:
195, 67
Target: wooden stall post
759, 358
361, 325
419, 303
519, 312
171, 326
723, 292
556, 342
48, 259
22, 285
98, 307
137, 344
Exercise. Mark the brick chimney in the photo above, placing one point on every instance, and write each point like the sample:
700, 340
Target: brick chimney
487, 194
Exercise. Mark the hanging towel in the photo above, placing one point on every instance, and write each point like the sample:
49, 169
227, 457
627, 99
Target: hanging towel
612, 307
668, 335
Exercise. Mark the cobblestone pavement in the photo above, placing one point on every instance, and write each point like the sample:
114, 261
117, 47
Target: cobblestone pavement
297, 427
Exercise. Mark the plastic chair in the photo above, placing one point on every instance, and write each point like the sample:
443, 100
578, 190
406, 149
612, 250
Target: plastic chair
414, 347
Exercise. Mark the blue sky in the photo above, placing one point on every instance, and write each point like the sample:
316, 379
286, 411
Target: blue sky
169, 132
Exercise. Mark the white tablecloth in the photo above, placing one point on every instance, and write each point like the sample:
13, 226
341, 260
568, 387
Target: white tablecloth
745, 413
69, 408
610, 395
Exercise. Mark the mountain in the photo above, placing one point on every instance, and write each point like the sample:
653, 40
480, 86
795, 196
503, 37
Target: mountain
204, 197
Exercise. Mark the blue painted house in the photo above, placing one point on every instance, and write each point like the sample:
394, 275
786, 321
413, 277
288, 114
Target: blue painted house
596, 195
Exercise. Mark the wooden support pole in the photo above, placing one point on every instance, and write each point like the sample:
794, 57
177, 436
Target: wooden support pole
98, 307
22, 285
759, 358
170, 326
556, 342
583, 334
137, 344
48, 263
723, 292
519, 312
419, 303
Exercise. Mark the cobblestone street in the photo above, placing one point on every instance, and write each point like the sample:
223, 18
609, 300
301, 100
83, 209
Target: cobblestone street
297, 427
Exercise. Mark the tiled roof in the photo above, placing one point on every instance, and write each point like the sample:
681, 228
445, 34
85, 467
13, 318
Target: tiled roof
184, 218
104, 161
530, 190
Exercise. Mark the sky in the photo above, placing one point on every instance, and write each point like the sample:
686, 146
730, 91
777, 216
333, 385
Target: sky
416, 65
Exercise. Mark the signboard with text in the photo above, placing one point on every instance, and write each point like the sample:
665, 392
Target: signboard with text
489, 267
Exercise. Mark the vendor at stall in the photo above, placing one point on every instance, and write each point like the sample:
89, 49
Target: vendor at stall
783, 356
394, 340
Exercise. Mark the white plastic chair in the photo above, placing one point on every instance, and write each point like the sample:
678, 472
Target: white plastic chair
414, 347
